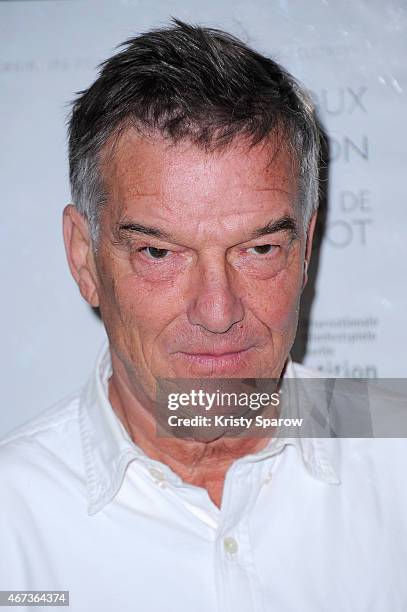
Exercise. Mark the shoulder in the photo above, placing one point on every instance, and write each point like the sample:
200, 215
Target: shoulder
42, 475
373, 469
367, 417
51, 435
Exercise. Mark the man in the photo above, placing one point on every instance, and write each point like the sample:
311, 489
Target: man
193, 165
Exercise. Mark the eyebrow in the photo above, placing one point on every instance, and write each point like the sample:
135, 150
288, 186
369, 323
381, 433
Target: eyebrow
144, 229
285, 224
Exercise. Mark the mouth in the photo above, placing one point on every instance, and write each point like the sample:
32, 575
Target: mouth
215, 362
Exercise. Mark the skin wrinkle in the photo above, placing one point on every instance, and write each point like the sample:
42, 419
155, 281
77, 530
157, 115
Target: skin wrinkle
210, 291
127, 228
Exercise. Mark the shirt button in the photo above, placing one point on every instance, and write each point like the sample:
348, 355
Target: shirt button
230, 545
268, 478
158, 476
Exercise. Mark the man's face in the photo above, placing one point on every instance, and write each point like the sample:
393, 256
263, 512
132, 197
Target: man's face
200, 262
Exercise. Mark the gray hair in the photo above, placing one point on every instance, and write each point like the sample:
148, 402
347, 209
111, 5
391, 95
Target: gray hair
196, 83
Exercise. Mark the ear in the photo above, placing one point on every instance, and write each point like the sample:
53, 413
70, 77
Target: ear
308, 247
78, 247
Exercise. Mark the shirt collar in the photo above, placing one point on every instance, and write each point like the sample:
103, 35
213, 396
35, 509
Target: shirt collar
108, 448
319, 452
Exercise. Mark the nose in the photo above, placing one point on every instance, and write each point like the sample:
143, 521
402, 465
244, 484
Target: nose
215, 304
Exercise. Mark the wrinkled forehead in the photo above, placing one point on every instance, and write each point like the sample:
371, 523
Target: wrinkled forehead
145, 170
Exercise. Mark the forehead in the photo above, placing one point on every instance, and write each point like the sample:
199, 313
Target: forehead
154, 176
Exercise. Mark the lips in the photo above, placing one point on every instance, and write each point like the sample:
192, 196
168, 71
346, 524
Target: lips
214, 354
220, 363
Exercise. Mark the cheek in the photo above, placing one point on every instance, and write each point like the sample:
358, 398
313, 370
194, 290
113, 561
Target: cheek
275, 302
144, 308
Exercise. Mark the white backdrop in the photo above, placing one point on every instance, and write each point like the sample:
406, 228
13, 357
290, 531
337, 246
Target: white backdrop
351, 55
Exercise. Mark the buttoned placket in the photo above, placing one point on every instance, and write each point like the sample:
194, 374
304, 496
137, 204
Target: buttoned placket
237, 581
238, 585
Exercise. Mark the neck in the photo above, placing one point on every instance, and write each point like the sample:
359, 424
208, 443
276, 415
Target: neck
200, 463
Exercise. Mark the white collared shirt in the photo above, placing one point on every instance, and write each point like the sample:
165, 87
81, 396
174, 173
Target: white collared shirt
306, 525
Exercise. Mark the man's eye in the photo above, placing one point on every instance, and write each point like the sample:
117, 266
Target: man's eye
154, 253
261, 249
